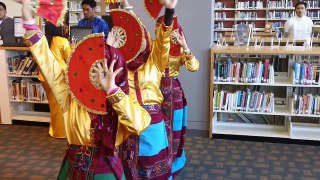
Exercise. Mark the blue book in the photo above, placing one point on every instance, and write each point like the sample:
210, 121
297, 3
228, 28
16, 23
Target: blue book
296, 73
261, 72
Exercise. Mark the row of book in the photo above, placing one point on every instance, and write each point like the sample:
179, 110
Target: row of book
76, 6
250, 5
258, 4
219, 25
22, 65
312, 3
217, 35
25, 90
314, 14
280, 15
280, 4
220, 15
306, 74
244, 72
288, 4
245, 101
306, 104
220, 5
247, 15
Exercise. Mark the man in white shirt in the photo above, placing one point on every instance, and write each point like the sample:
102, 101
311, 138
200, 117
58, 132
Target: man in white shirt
299, 27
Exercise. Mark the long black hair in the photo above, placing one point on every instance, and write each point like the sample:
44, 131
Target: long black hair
51, 30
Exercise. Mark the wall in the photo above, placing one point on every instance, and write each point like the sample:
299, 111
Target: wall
13, 8
195, 19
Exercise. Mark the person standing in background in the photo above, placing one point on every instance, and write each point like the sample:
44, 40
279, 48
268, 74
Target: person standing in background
90, 20
3, 16
299, 27
61, 49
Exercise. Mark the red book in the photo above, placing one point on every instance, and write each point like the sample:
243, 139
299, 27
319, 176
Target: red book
266, 70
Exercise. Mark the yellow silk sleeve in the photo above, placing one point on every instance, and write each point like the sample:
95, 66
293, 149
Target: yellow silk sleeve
66, 50
132, 117
49, 66
191, 63
161, 47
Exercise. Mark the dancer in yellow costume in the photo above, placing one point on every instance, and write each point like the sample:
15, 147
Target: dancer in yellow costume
93, 139
174, 105
61, 49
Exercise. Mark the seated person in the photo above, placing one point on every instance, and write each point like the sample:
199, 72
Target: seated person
3, 12
90, 20
299, 27
3, 16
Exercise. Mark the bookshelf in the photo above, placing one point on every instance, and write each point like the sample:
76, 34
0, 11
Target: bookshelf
226, 14
20, 106
288, 107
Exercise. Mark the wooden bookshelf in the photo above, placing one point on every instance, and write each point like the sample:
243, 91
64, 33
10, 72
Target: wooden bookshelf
286, 123
229, 13
16, 109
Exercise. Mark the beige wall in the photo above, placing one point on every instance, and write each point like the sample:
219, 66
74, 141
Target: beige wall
13, 8
195, 19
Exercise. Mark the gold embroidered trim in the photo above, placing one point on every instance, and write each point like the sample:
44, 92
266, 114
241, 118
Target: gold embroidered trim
116, 97
29, 38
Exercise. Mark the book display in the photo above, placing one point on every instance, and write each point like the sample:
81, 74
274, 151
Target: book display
265, 91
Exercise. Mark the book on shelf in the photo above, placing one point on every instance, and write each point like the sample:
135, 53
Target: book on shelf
249, 4
220, 5
246, 15
218, 25
280, 15
22, 65
243, 72
312, 4
314, 14
245, 101
26, 90
220, 15
306, 74
280, 4
306, 104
